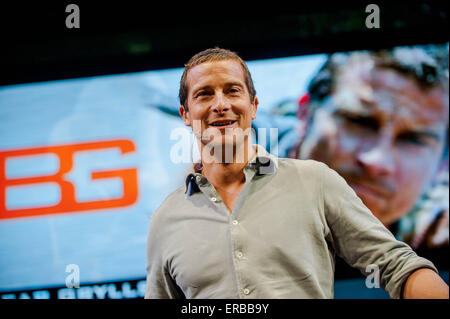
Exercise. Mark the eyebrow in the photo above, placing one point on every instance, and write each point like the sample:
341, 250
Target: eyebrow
228, 84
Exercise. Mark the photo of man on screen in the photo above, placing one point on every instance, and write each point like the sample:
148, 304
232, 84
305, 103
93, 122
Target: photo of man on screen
380, 119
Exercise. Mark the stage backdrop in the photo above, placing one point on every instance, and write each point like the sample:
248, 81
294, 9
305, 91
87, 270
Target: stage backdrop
85, 162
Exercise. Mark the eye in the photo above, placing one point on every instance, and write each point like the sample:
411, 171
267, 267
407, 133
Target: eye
365, 122
413, 138
202, 93
234, 90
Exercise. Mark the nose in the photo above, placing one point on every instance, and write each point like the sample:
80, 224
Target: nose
220, 103
376, 156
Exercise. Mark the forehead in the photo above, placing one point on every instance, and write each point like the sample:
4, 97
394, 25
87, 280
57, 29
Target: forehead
215, 72
388, 94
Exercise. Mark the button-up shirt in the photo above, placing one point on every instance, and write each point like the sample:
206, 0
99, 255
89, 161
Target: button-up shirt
290, 219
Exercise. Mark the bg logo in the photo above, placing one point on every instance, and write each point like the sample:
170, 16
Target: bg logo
68, 203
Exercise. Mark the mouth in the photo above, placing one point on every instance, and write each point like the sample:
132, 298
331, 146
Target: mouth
221, 124
368, 190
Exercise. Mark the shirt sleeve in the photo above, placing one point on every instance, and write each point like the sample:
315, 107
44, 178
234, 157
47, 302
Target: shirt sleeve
160, 285
362, 240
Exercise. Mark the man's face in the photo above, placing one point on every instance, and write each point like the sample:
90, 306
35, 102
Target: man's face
383, 133
219, 104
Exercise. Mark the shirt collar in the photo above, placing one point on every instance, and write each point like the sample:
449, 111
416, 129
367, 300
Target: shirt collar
263, 163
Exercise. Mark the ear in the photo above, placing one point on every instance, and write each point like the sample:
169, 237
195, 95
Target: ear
185, 116
255, 107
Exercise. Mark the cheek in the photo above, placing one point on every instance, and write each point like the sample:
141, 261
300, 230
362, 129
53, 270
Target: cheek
346, 145
409, 189
197, 124
413, 173
327, 142
245, 114
199, 116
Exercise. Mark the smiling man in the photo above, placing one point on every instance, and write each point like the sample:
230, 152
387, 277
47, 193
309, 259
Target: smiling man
260, 226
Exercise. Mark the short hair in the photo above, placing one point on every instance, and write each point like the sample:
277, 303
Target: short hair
427, 64
212, 55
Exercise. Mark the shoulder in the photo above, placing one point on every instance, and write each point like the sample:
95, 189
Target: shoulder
300, 173
308, 167
303, 167
311, 172
170, 204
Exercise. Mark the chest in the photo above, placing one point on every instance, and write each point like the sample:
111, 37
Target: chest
262, 235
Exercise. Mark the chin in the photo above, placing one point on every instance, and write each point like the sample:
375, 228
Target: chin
385, 218
219, 142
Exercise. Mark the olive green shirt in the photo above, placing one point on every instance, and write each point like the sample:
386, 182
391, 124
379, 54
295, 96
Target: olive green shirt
289, 220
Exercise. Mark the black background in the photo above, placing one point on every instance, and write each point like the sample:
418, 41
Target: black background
126, 36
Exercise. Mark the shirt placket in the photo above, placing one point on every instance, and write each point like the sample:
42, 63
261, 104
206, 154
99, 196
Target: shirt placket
240, 260
237, 240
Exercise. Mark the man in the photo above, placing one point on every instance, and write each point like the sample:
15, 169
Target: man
260, 227
380, 119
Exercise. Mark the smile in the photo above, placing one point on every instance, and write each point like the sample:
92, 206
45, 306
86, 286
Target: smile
369, 190
223, 123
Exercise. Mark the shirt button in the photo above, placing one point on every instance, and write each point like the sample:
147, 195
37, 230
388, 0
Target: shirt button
214, 199
239, 254
235, 222
246, 291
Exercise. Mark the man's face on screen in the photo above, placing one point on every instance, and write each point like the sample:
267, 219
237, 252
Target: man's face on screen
220, 110
383, 133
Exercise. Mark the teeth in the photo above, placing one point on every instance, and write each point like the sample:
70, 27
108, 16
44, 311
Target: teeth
222, 123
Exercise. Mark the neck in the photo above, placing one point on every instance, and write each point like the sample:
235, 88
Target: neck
226, 173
